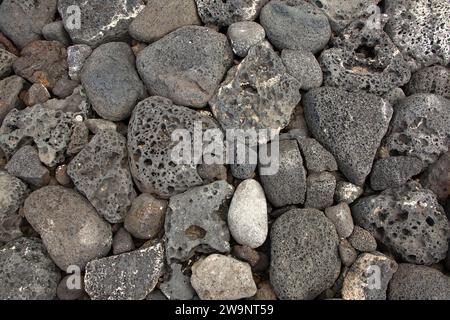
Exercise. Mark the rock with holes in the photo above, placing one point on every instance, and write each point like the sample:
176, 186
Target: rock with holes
6, 63
394, 172
435, 79
257, 94
420, 30
224, 13
295, 24
420, 127
437, 177
128, 276
304, 260
244, 35
349, 125
27, 272
22, 21
111, 81
364, 58
320, 190
196, 221
302, 65
408, 220
10, 89
186, 66
150, 146
95, 22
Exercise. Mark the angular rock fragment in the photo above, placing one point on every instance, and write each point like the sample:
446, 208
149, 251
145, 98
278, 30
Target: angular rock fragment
6, 63
303, 66
122, 242
347, 253
394, 172
10, 89
320, 190
435, 79
76, 57
54, 31
347, 192
437, 177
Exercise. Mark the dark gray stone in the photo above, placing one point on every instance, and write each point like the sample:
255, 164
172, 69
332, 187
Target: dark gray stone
10, 227
435, 79
320, 190
77, 103
394, 96
54, 31
64, 88
362, 240
122, 242
317, 158
6, 63
79, 138
178, 286
303, 66
244, 35
37, 94
437, 178
394, 172
9, 94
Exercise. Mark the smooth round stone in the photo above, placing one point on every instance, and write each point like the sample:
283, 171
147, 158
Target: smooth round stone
244, 35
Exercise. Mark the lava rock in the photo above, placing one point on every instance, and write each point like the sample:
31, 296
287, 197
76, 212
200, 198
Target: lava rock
54, 31
10, 89
79, 138
37, 94
122, 242
435, 79
347, 192
305, 260
194, 62
77, 103
349, 125
347, 253
76, 57
341, 216
244, 35
362, 240
394, 172
320, 190
70, 229
6, 63
394, 96
437, 177
303, 66
317, 158
178, 287
12, 195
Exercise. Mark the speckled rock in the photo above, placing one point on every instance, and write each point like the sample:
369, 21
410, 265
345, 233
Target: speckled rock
437, 177
244, 35
122, 242
341, 216
317, 158
394, 172
320, 190
347, 253
10, 89
129, 276
79, 138
10, 227
178, 286
6, 63
394, 96
362, 240
347, 192
435, 79
54, 31
76, 57
303, 66
37, 94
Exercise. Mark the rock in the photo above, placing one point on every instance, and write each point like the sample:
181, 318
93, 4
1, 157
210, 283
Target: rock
146, 217
368, 278
37, 94
43, 62
218, 277
150, 146
243, 171
10, 227
161, 17
418, 29
341, 216
224, 13
413, 282
64, 88
317, 158
65, 293
62, 177
247, 215
71, 230
10, 89
298, 125
77, 103
178, 287
435, 79
111, 81
305, 261
79, 138
54, 31
12, 195
288, 185
347, 192
195, 221
320, 190
303, 66
437, 177
100, 171
408, 220
257, 94
129, 276
212, 172
420, 127
25, 164
364, 58
394, 96
244, 35
101, 21
347, 253
122, 242
97, 125
179, 74
22, 21
6, 63
394, 172
76, 57
155, 295
26, 271
265, 292
339, 121
362, 240
295, 24
246, 254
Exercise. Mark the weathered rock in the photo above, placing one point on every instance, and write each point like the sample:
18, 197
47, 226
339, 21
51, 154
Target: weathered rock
77, 103
10, 227
347, 192
64, 88
67, 290
298, 126
362, 240
246, 254
9, 94
341, 216
79, 138
97, 125
156, 295
122, 242
76, 57
317, 158
347, 253
303, 66
320, 190
62, 177
37, 94
6, 63
54, 31
394, 172
178, 287
244, 35
129, 276
435, 79
394, 96
212, 172
437, 177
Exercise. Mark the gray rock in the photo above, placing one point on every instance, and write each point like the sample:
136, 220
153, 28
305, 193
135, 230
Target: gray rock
101, 21
408, 220
76, 57
224, 13
435, 79
394, 172
362, 240
347, 253
100, 171
111, 81
243, 171
79, 138
54, 31
298, 126
122, 242
97, 125
71, 230
37, 94
347, 192
413, 282
303, 66
341, 216
77, 103
304, 260
420, 127
394, 96
129, 276
178, 287
25, 164
247, 215
218, 277
179, 74
161, 17
288, 185
437, 177
249, 255
320, 190
22, 21
244, 35
9, 94
27, 272
64, 88
212, 172
156, 295
10, 227
6, 63
317, 158
368, 278
195, 221
339, 120
65, 293
295, 24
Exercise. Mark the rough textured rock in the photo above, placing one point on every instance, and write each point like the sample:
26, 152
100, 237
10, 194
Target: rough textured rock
6, 63
101, 21
349, 125
218, 277
54, 31
394, 172
10, 89
303, 66
10, 227
347, 253
368, 278
244, 35
305, 261
77, 103
178, 286
129, 276
79, 138
435, 79
179, 73
347, 192
70, 229
26, 271
317, 158
257, 94
76, 57
437, 177
413, 282
64, 88
420, 127
37, 94
341, 216
195, 221
320, 190
12, 194
394, 96
122, 242
362, 240
22, 21
408, 220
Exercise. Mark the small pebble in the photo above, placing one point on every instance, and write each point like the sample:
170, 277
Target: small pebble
362, 240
